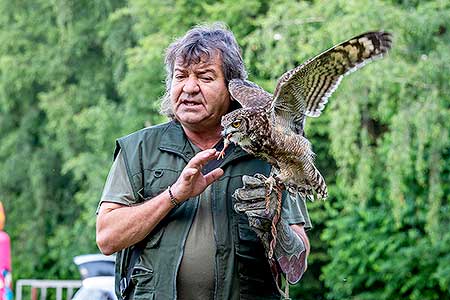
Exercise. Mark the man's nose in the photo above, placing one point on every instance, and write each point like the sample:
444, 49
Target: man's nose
191, 85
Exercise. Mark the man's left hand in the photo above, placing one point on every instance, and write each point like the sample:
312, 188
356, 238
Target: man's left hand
292, 245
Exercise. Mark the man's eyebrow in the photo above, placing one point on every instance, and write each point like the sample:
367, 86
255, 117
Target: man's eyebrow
206, 70
198, 71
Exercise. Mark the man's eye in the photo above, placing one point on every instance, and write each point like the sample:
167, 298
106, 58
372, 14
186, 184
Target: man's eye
236, 124
206, 78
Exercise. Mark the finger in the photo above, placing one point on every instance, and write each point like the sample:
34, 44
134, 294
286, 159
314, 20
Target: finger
202, 158
261, 177
251, 195
260, 207
252, 181
189, 173
213, 176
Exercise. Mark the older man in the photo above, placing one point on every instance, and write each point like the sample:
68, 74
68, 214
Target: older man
167, 205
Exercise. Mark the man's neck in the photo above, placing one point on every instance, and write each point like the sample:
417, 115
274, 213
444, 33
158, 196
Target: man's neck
204, 139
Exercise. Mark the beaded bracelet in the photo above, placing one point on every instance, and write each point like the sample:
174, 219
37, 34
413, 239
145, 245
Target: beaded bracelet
173, 200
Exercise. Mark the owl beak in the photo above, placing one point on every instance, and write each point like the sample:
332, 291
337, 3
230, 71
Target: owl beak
227, 131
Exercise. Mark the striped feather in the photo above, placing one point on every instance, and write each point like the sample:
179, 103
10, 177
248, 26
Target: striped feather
248, 94
304, 90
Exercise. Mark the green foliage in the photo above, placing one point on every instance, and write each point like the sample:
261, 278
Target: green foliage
59, 120
76, 75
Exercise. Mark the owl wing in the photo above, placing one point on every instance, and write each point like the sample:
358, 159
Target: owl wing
304, 90
248, 94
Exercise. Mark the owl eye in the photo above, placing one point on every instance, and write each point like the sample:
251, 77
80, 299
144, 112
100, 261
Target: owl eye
236, 124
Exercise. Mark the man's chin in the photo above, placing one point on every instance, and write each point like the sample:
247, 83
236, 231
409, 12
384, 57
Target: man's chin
198, 121
191, 119
194, 120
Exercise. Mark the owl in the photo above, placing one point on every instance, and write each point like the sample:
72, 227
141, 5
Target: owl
271, 127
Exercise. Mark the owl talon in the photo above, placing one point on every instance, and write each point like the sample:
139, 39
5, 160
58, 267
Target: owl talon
226, 143
221, 154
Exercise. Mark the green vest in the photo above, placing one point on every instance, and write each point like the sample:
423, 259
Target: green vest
154, 158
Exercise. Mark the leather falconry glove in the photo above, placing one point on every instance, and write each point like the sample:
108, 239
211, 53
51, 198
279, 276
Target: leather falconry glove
289, 251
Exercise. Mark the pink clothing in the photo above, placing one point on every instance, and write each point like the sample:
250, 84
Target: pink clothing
5, 267
5, 251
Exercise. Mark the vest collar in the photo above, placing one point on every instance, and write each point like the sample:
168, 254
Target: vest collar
174, 140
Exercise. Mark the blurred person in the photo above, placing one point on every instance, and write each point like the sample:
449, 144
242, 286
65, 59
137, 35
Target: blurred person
167, 207
5, 260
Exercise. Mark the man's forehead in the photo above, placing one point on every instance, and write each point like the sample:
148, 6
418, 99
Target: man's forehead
202, 62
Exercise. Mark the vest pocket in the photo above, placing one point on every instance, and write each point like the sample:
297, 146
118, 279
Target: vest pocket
141, 275
144, 295
142, 278
157, 180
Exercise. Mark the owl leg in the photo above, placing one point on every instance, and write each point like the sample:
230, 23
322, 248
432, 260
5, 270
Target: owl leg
274, 183
226, 143
275, 220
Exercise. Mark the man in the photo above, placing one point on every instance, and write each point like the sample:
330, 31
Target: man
163, 196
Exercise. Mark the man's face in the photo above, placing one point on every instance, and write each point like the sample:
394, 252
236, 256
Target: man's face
199, 94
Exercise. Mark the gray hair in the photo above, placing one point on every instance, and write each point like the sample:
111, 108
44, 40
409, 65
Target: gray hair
198, 43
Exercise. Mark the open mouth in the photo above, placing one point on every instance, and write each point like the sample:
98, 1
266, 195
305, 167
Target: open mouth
190, 103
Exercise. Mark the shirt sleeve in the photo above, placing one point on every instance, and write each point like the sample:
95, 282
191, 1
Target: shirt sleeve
118, 186
295, 211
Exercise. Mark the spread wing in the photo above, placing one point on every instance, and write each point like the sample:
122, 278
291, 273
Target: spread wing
248, 94
304, 90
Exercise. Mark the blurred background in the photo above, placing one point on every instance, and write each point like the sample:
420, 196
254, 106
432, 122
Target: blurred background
75, 75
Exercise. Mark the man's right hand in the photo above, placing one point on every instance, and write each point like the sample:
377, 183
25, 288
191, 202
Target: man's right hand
120, 226
191, 181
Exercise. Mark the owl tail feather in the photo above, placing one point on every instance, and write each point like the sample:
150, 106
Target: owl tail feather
313, 185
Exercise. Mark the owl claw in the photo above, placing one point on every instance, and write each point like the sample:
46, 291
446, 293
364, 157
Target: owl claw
221, 154
226, 143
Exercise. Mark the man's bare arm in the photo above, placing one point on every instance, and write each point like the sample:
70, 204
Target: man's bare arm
120, 226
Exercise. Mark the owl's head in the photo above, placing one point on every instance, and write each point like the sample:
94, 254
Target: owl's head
237, 126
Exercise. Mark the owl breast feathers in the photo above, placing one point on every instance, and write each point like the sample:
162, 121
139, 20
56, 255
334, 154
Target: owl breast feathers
271, 126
